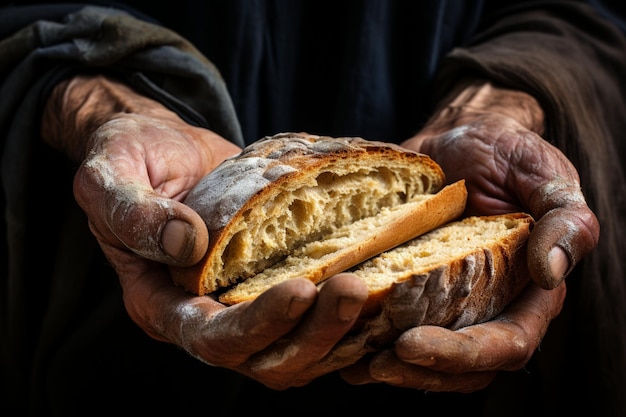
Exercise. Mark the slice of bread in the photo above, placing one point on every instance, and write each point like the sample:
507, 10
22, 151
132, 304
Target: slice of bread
330, 202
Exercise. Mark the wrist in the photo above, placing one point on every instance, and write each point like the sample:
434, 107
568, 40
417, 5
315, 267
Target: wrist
78, 106
481, 96
472, 98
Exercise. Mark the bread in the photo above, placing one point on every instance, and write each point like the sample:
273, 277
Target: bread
464, 272
311, 206
299, 205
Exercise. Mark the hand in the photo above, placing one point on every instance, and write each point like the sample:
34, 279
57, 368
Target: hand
249, 338
491, 138
138, 164
278, 339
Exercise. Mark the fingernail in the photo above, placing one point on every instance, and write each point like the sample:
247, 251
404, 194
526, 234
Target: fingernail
177, 239
348, 308
430, 361
559, 262
297, 307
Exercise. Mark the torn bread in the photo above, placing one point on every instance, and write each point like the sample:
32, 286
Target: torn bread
313, 205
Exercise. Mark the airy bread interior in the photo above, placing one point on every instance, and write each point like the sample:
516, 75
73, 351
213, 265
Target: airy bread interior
319, 208
456, 240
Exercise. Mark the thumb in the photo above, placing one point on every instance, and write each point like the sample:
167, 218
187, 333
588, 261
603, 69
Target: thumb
184, 241
566, 231
130, 215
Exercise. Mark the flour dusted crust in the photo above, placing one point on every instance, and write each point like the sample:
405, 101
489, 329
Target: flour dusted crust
289, 192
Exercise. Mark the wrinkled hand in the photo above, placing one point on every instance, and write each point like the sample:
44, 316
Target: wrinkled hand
131, 200
509, 168
484, 138
137, 166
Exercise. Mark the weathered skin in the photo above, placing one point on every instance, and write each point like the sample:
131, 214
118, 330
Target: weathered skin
124, 163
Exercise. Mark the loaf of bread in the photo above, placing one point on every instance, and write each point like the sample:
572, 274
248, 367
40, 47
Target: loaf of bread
300, 205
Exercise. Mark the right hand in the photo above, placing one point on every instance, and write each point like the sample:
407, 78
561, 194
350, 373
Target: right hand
138, 166
490, 136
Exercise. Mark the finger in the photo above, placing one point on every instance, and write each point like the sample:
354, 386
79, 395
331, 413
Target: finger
359, 373
567, 230
338, 306
150, 298
128, 211
388, 368
236, 333
205, 328
505, 343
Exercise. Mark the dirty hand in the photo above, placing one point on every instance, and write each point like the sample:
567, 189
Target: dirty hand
138, 161
490, 137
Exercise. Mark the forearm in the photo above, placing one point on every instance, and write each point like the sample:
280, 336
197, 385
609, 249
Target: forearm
78, 106
474, 96
485, 97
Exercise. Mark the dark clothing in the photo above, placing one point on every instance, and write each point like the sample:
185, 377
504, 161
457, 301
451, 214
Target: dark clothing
358, 68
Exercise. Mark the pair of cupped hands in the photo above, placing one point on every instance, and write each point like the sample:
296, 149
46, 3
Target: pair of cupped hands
138, 161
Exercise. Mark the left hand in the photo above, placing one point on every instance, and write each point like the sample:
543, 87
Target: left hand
491, 138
